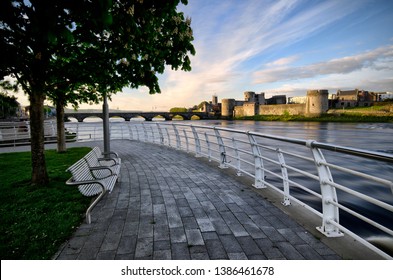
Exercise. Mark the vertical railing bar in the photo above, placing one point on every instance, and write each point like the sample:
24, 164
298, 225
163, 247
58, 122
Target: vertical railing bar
208, 147
197, 142
285, 182
186, 139
223, 157
178, 145
258, 162
328, 192
238, 162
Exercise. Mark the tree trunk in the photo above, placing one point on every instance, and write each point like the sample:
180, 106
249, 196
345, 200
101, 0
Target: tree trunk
61, 139
39, 173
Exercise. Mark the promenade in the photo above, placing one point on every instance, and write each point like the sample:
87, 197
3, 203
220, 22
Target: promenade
170, 205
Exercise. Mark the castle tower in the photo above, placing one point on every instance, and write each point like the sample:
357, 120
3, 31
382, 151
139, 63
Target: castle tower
261, 98
227, 107
317, 102
214, 100
249, 96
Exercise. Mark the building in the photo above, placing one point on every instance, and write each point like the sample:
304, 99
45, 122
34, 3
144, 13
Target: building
354, 98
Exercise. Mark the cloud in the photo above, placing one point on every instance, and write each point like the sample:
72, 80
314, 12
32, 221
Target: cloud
283, 61
376, 59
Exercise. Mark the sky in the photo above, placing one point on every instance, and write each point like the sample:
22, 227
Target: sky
277, 47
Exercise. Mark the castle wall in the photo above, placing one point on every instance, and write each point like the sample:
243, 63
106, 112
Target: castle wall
292, 109
238, 112
250, 109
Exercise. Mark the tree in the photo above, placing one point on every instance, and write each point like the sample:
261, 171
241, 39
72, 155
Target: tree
56, 47
178, 110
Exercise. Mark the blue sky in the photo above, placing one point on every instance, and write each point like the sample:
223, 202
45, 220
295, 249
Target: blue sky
277, 47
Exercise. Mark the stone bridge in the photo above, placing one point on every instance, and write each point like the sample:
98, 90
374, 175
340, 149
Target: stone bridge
148, 116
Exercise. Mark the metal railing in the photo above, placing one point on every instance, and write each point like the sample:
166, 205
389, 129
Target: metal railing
18, 133
340, 185
307, 172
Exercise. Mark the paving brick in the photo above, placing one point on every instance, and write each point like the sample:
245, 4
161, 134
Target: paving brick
180, 251
249, 246
215, 249
144, 248
194, 237
178, 235
170, 205
231, 244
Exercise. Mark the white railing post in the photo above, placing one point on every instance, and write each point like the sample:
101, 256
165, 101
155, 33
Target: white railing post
168, 136
330, 212
137, 132
284, 173
209, 151
152, 134
130, 133
238, 162
223, 155
145, 133
259, 169
178, 146
160, 133
186, 138
197, 142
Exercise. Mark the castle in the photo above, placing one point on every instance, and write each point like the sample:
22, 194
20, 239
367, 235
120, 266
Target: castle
316, 104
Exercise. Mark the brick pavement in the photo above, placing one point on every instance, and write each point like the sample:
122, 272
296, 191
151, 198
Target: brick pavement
170, 205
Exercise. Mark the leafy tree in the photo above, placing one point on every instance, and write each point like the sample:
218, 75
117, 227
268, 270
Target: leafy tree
79, 50
178, 110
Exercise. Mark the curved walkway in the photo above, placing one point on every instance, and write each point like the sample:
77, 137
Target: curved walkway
170, 205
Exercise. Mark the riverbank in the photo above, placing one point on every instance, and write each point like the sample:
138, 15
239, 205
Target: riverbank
383, 113
323, 118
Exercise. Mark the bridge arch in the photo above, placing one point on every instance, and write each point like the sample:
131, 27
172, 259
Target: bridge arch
148, 116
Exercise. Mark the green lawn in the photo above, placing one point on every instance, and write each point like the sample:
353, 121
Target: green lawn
35, 221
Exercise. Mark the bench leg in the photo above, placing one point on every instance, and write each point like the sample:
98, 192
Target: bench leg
88, 216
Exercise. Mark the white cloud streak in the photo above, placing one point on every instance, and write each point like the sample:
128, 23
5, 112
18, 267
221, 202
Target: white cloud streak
378, 59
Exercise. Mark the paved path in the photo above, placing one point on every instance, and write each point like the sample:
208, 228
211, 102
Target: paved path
171, 205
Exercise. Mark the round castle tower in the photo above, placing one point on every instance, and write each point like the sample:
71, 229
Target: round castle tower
227, 107
317, 102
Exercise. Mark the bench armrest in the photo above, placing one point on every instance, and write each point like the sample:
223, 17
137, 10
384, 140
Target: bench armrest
100, 168
109, 159
111, 153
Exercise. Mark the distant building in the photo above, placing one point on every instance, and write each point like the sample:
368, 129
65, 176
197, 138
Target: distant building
382, 96
354, 98
277, 99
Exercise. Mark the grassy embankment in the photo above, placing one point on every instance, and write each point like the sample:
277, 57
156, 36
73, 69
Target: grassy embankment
36, 220
382, 112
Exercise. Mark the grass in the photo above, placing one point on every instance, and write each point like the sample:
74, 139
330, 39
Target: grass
35, 221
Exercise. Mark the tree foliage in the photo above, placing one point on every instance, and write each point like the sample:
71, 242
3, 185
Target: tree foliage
76, 51
8, 104
178, 110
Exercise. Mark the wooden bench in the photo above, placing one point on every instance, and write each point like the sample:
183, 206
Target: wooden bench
89, 184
